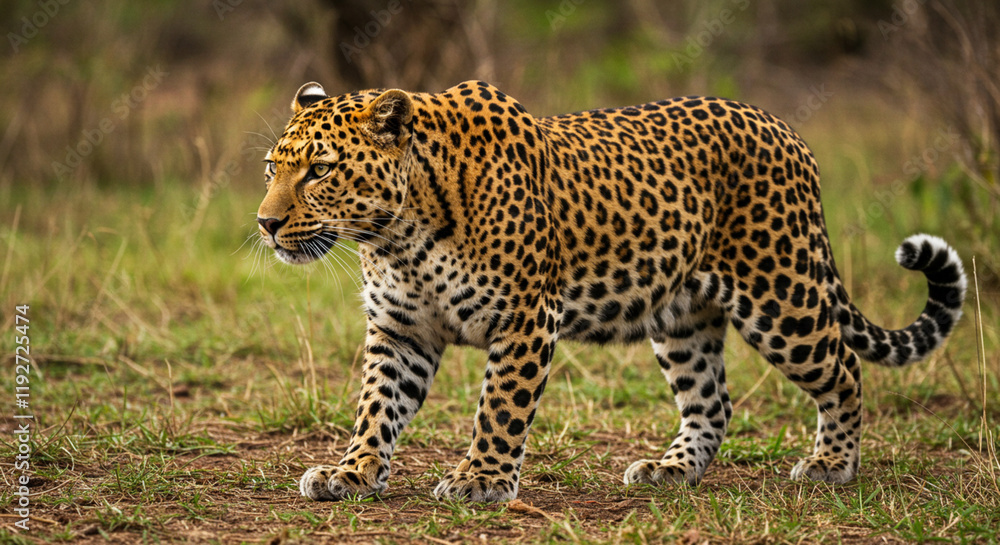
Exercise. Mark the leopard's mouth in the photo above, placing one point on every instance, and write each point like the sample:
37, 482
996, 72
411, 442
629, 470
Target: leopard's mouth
308, 250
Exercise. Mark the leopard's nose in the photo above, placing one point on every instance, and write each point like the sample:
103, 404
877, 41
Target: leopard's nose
271, 225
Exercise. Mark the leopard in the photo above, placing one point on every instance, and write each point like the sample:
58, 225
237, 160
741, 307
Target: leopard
478, 224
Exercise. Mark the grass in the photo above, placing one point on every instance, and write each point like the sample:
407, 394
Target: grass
182, 383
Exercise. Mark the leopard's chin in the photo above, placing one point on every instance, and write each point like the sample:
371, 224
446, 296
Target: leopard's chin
307, 252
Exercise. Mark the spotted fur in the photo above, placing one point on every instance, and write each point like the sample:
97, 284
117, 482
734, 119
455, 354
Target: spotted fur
478, 224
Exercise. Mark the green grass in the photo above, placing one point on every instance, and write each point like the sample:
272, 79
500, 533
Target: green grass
182, 383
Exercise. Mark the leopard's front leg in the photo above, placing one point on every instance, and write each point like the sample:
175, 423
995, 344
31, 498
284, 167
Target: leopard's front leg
516, 374
396, 375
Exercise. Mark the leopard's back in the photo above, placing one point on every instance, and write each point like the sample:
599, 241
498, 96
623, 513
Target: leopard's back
666, 206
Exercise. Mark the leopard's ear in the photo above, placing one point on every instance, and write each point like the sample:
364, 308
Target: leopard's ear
308, 94
387, 118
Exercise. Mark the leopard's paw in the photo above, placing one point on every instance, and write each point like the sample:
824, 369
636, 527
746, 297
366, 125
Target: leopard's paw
332, 483
825, 468
477, 487
660, 472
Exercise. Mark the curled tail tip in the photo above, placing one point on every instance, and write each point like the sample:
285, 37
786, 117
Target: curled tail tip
935, 258
909, 252
946, 282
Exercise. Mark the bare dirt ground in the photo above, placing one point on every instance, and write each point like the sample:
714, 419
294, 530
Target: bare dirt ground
269, 510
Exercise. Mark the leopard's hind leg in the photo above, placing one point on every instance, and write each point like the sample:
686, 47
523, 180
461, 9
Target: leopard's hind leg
690, 355
803, 341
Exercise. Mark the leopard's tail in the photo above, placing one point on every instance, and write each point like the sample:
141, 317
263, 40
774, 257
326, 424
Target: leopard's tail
946, 284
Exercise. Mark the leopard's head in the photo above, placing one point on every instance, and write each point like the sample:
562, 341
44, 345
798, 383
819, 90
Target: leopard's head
337, 172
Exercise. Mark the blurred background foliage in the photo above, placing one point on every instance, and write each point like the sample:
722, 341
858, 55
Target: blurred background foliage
897, 97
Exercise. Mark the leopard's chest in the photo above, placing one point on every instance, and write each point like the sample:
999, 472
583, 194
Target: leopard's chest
434, 295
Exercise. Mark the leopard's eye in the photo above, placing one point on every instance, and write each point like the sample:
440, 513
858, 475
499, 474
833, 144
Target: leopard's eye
319, 170
270, 169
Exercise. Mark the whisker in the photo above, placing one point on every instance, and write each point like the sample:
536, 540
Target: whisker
349, 237
313, 248
353, 235
264, 263
259, 251
248, 239
343, 265
393, 231
393, 214
340, 229
360, 219
385, 275
268, 127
